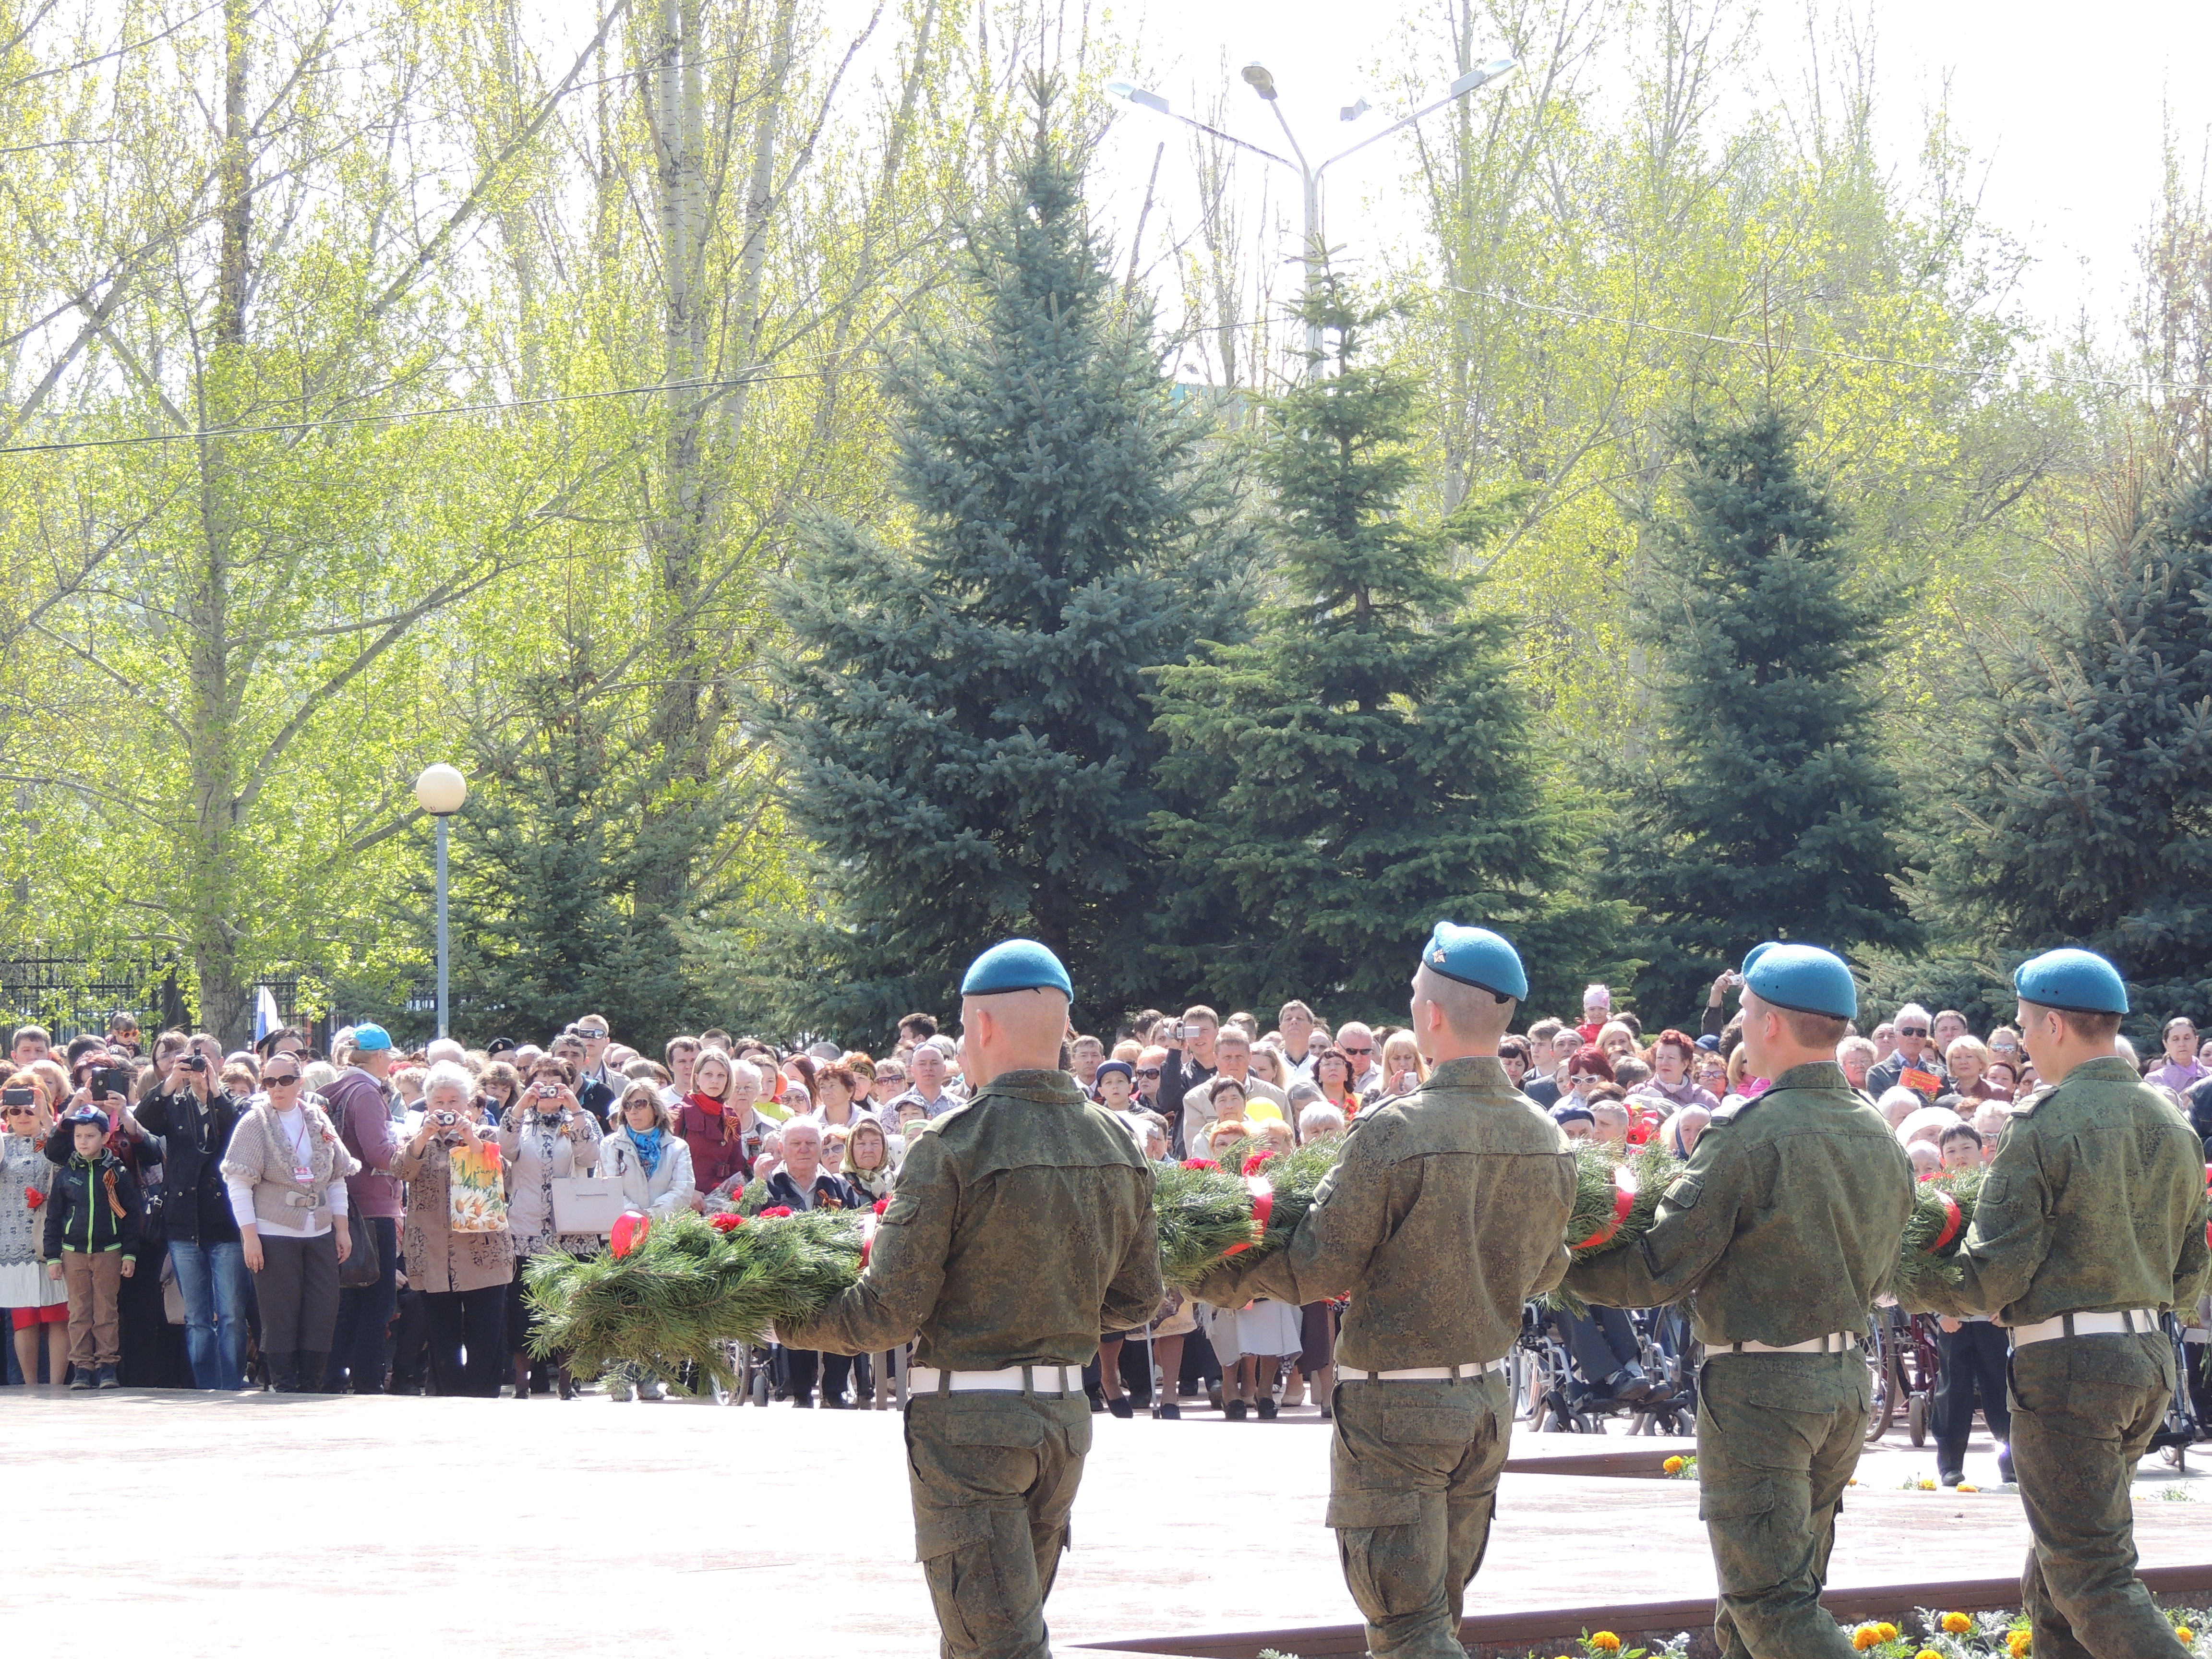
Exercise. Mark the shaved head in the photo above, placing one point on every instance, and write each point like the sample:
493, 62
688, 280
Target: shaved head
1010, 1031
1470, 1013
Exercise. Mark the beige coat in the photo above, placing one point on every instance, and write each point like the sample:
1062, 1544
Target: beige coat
438, 1258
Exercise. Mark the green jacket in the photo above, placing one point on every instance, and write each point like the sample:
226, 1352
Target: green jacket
1021, 1228
2093, 1203
1785, 1225
1446, 1212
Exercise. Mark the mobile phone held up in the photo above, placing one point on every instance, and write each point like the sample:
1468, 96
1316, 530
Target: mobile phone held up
112, 1080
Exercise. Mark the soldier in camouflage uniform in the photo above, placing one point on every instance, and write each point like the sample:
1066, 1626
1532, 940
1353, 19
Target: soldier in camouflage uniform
1446, 1212
1782, 1231
2090, 1223
1021, 1228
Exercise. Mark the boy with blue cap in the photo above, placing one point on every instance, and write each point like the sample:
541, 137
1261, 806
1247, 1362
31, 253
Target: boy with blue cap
1021, 1229
1781, 1231
1446, 1212
2090, 1223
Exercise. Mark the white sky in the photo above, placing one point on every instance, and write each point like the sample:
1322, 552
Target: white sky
2062, 106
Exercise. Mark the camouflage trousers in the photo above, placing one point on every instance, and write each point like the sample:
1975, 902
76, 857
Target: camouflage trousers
2083, 1411
1413, 1483
993, 1477
1778, 1435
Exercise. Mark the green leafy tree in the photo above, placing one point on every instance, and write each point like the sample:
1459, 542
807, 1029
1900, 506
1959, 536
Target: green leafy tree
1364, 765
2089, 819
1767, 809
961, 710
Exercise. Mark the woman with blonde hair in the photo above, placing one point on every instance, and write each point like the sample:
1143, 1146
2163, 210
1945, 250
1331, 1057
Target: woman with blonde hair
1404, 1071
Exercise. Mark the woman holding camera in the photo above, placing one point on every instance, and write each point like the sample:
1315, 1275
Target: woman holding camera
285, 1170
546, 1135
464, 1276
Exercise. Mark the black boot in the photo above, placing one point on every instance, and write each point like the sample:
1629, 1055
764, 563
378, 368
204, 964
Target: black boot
283, 1370
311, 1370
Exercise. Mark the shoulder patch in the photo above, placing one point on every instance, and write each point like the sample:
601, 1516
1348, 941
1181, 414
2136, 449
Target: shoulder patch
1733, 1110
2027, 1107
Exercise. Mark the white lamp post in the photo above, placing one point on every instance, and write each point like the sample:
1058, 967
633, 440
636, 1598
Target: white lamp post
1257, 77
440, 792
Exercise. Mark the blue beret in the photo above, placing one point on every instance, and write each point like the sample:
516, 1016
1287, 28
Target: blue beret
371, 1035
1016, 964
2073, 981
1802, 978
1573, 1114
1476, 957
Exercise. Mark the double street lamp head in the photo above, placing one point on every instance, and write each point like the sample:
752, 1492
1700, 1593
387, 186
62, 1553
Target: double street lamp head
440, 790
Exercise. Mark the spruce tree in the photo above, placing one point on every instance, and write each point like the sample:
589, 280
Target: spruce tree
554, 906
1766, 809
1363, 766
2089, 817
960, 706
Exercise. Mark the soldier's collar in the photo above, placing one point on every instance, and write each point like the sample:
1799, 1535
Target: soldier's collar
2110, 1065
1035, 1085
1814, 1074
1471, 1069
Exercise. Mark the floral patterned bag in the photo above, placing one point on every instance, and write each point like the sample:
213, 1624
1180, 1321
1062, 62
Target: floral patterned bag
475, 1188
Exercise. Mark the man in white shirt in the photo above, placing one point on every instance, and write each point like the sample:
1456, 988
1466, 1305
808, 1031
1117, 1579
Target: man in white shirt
1296, 1022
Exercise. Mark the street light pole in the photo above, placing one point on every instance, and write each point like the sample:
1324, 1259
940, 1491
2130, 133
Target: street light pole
1257, 77
440, 792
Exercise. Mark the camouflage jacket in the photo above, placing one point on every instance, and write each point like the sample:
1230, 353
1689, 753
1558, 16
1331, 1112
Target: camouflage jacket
1021, 1227
2093, 1203
1785, 1225
1446, 1212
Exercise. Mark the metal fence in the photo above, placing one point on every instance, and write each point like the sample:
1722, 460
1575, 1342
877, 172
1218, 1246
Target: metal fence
69, 997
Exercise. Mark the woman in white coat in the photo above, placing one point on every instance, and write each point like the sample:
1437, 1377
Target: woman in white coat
645, 1155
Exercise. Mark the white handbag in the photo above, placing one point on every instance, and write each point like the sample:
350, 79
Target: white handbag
582, 1205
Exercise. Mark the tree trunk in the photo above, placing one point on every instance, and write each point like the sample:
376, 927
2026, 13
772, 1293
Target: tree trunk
212, 712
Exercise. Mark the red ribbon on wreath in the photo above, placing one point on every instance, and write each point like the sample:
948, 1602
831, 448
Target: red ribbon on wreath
1953, 1218
1624, 1200
1263, 1206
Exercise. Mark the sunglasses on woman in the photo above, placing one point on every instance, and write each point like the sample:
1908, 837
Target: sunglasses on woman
280, 1079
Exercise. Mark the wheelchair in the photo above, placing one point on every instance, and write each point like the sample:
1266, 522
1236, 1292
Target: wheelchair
1904, 1368
1552, 1399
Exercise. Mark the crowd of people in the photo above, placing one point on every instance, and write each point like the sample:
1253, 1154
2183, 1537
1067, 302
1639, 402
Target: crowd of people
183, 1217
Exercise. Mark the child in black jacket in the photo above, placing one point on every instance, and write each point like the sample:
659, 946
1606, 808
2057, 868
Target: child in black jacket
94, 1218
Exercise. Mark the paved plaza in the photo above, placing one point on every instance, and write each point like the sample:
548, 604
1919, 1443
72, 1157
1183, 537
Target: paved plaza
238, 1527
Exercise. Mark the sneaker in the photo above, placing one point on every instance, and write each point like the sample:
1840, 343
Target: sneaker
1170, 1411
1949, 1477
1266, 1408
1121, 1407
81, 1378
105, 1378
1234, 1411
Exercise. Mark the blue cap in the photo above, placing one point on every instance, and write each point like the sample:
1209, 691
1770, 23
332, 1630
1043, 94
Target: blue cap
370, 1036
87, 1114
1121, 1066
1016, 964
1573, 1114
1476, 957
2073, 981
1802, 978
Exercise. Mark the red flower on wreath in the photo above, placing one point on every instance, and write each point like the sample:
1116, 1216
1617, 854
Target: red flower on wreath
1200, 1164
728, 1222
775, 1210
1638, 1135
1252, 1164
35, 1197
882, 1204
